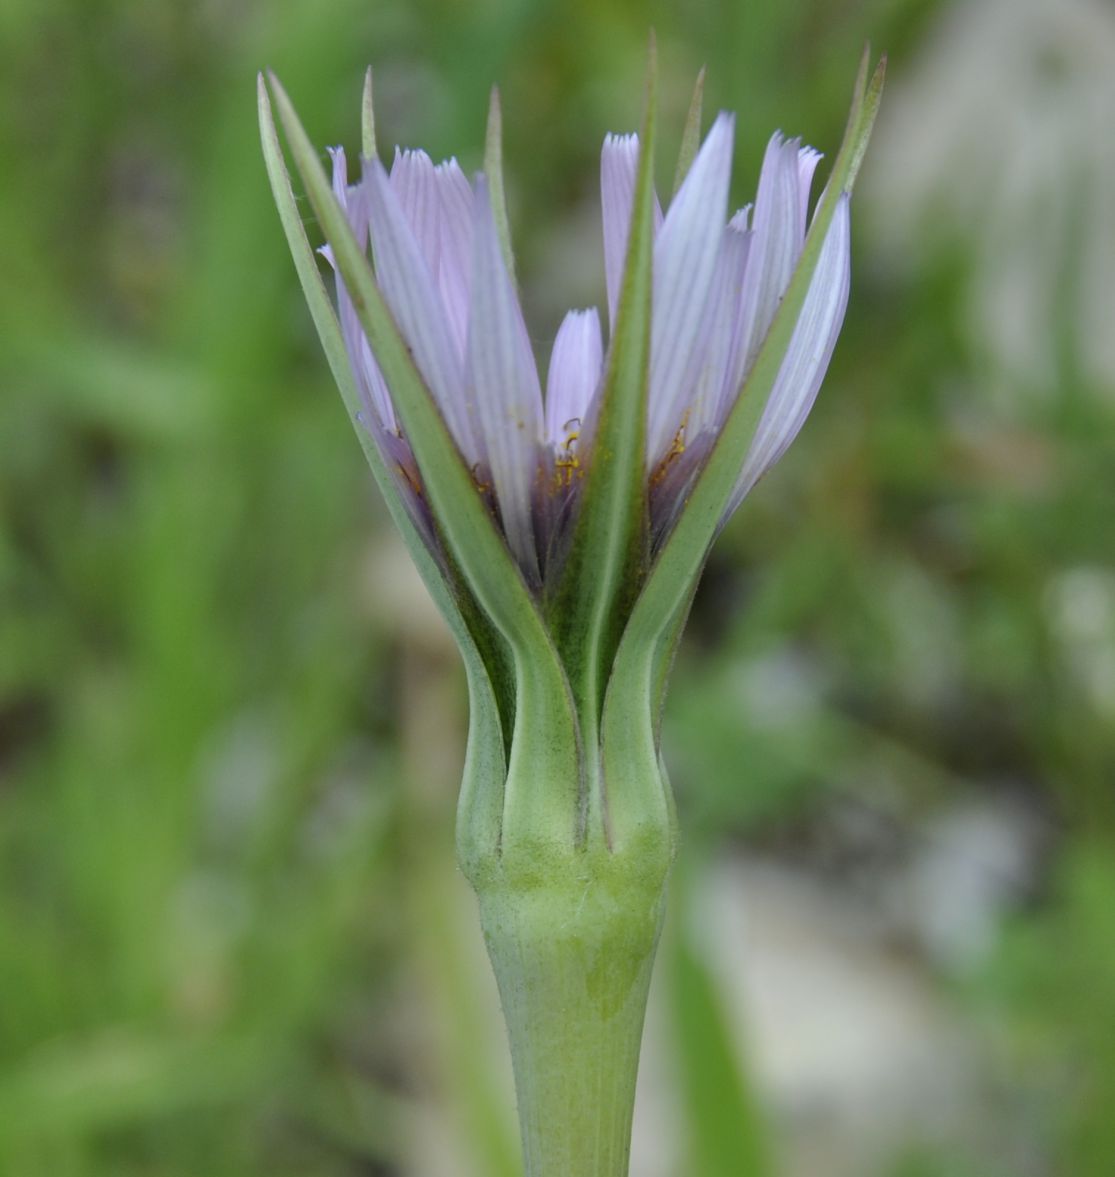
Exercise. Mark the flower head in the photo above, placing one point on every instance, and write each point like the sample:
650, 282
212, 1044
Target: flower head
563, 532
717, 283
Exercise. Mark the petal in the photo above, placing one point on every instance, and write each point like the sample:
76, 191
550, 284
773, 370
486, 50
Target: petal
454, 272
377, 417
808, 159
619, 162
685, 256
575, 369
779, 227
369, 379
409, 288
437, 202
504, 380
739, 226
412, 181
710, 400
807, 358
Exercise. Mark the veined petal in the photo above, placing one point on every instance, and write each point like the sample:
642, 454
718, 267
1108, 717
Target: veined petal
685, 255
807, 359
619, 162
437, 202
410, 291
576, 365
454, 272
706, 406
738, 227
779, 228
412, 181
808, 159
504, 381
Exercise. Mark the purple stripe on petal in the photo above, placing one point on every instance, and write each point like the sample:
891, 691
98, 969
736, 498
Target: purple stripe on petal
807, 359
575, 370
504, 379
685, 256
411, 293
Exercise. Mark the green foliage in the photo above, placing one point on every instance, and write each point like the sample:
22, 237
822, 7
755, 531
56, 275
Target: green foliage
229, 742
726, 1134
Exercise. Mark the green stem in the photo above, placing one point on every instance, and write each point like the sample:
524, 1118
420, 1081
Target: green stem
572, 953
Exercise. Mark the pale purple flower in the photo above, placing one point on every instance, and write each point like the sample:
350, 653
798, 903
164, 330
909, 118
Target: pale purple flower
717, 284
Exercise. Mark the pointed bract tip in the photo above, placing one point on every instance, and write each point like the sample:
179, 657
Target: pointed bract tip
696, 102
861, 75
367, 118
493, 168
495, 116
868, 78
277, 91
691, 134
263, 107
652, 78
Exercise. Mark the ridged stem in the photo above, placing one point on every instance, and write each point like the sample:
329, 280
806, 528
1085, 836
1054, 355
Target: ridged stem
572, 949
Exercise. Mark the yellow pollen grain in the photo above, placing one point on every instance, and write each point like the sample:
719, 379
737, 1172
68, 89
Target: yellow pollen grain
567, 466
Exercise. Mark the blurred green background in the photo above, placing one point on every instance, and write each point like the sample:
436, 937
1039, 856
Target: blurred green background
232, 939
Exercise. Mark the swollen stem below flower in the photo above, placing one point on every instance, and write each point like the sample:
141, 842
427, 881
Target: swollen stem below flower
572, 953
